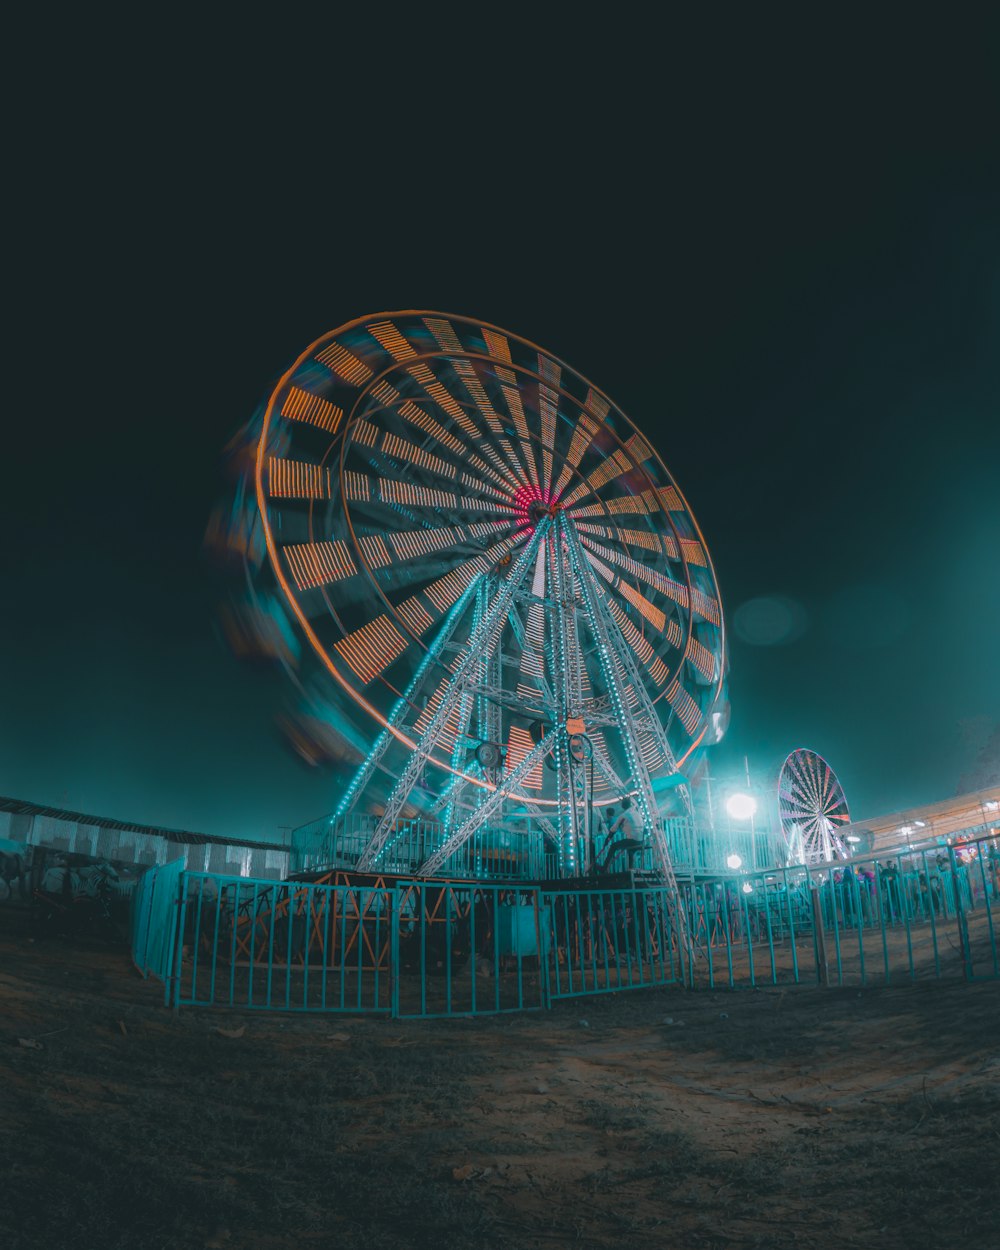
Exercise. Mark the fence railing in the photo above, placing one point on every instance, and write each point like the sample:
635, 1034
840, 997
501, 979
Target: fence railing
927, 913
430, 948
602, 941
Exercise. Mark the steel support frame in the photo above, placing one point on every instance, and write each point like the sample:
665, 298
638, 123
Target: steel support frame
616, 663
482, 640
486, 809
385, 739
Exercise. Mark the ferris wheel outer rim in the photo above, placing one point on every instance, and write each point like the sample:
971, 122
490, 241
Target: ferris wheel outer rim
356, 695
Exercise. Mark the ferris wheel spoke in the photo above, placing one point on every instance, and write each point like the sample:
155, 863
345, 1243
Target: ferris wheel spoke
497, 470
587, 428
400, 546
512, 397
657, 544
422, 610
470, 380
413, 411
364, 489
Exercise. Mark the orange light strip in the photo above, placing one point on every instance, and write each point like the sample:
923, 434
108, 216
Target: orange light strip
701, 658
475, 388
548, 402
345, 364
687, 710
410, 544
630, 632
611, 467
444, 334
614, 507
294, 479
319, 564
596, 404
391, 491
650, 750
445, 399
503, 502
638, 448
433, 703
609, 576
640, 645
650, 542
583, 436
370, 650
652, 577
706, 607
670, 499
513, 397
447, 589
693, 552
366, 434
400, 449
357, 487
311, 409
386, 395
389, 337
519, 743
415, 616
641, 604
424, 421
549, 370
496, 344
374, 550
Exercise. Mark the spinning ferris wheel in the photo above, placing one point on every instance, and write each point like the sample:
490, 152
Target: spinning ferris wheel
498, 573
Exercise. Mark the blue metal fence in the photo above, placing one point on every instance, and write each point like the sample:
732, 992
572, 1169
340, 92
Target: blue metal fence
601, 941
927, 913
441, 948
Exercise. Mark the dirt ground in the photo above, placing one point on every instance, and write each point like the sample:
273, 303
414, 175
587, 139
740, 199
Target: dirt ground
781, 1119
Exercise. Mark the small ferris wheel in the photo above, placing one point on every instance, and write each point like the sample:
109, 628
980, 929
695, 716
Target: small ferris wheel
812, 809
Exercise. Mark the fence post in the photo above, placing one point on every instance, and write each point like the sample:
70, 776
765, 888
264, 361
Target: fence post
542, 946
175, 946
394, 953
819, 936
963, 927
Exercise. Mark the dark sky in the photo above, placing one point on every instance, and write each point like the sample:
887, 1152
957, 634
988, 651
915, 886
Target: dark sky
777, 249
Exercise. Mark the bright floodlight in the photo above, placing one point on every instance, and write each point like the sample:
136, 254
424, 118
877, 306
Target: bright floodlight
747, 887
734, 862
741, 806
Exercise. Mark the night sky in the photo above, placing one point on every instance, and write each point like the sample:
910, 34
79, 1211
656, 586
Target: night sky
777, 249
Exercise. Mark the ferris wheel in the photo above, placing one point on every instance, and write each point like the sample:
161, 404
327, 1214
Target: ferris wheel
497, 572
812, 809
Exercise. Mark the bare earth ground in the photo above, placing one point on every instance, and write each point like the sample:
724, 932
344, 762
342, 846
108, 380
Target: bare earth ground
779, 1119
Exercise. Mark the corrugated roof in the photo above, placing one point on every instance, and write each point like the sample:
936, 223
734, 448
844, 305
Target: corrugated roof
22, 807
